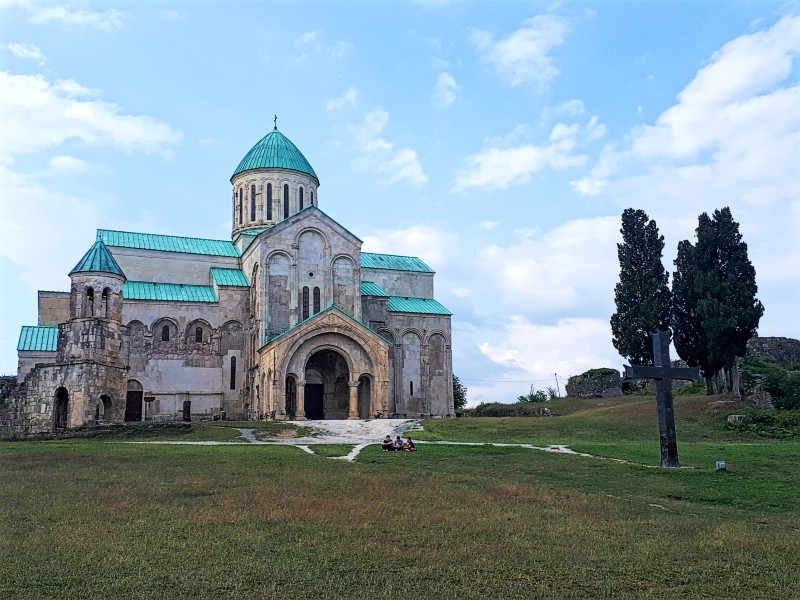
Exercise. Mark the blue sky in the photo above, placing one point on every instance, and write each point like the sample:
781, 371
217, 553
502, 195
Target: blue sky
498, 141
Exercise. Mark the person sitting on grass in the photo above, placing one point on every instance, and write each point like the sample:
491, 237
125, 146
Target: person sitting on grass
409, 445
386, 444
398, 443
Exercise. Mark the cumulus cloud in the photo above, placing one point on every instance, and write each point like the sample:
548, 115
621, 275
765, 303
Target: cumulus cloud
732, 138
489, 225
378, 154
498, 167
566, 347
446, 90
524, 55
348, 99
432, 244
67, 14
544, 274
38, 115
313, 43
31, 51
572, 108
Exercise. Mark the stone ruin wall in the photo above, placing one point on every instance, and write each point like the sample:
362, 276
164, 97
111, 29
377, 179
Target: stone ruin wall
604, 386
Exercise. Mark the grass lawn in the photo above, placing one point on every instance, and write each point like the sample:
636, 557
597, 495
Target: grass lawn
98, 518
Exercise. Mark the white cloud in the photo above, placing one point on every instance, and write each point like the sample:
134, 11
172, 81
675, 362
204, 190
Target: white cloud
462, 292
377, 154
731, 139
66, 14
489, 225
524, 55
348, 99
431, 244
567, 269
31, 51
67, 164
446, 90
497, 167
566, 347
38, 115
314, 43
587, 186
572, 108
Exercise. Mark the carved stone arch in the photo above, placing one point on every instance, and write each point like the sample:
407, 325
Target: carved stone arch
413, 330
278, 302
387, 334
311, 228
191, 334
437, 353
434, 332
166, 334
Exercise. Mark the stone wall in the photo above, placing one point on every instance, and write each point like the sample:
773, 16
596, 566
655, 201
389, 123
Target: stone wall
784, 351
588, 386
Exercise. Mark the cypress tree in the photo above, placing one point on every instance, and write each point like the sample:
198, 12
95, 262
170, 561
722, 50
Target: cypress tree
642, 296
715, 309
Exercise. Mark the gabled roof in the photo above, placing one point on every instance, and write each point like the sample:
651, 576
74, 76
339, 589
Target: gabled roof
231, 277
167, 243
426, 306
372, 289
393, 262
275, 151
324, 311
38, 339
98, 260
175, 292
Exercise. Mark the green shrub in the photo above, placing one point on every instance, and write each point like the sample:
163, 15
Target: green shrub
782, 384
519, 409
780, 424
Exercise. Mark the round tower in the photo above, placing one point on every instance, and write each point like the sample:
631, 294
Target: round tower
272, 182
97, 282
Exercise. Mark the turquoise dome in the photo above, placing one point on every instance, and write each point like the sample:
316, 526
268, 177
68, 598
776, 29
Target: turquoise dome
275, 151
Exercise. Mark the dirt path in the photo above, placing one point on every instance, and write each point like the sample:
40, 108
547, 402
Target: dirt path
361, 434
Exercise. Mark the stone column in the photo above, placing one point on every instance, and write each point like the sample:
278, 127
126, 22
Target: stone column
300, 409
353, 401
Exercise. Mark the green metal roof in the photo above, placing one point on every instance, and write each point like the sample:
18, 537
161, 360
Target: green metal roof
176, 292
393, 262
426, 306
167, 243
371, 289
255, 232
233, 277
97, 260
275, 151
38, 339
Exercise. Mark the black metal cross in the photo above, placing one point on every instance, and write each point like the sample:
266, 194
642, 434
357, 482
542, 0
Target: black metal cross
663, 373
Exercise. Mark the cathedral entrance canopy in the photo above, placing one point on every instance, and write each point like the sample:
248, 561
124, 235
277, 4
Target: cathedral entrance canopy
339, 369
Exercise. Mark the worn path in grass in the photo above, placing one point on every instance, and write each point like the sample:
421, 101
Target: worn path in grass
359, 434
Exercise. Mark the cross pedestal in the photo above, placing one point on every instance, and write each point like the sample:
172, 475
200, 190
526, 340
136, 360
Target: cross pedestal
663, 373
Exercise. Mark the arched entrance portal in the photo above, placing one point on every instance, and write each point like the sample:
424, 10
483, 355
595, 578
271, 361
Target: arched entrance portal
327, 389
60, 408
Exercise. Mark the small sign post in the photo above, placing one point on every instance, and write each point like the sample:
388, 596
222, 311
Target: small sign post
663, 374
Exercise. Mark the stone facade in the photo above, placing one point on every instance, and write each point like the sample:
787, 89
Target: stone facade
271, 325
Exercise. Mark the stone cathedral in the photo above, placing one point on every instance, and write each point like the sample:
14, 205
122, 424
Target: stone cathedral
287, 320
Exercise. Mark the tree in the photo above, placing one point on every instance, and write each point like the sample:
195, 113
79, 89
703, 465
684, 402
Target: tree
459, 394
642, 296
715, 309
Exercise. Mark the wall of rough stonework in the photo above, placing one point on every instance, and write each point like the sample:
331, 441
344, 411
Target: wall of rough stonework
784, 351
169, 267
53, 308
407, 284
605, 386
